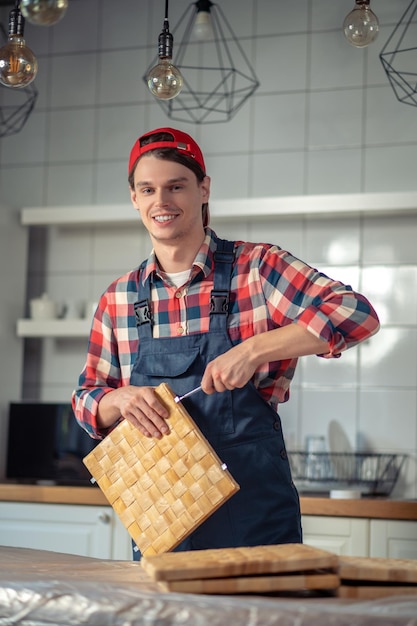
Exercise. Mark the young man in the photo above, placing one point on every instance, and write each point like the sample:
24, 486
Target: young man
231, 316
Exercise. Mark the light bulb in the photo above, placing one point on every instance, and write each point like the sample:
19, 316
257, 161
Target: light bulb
202, 29
361, 25
43, 12
165, 80
18, 64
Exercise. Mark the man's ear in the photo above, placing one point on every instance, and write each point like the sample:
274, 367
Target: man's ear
133, 197
205, 188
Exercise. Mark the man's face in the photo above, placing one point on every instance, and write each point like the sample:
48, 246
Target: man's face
169, 199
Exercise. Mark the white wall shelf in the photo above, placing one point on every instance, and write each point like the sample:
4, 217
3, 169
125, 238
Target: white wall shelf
53, 328
315, 205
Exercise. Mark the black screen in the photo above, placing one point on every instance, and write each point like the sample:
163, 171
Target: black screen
45, 443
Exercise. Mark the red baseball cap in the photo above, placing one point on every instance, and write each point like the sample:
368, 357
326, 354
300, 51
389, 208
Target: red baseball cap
180, 141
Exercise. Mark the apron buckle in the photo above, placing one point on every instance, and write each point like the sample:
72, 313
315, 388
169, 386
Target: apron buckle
142, 313
219, 302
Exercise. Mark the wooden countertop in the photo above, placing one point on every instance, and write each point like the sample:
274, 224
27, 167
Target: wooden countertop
364, 507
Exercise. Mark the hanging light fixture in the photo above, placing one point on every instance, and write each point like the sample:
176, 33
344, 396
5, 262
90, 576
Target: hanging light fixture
15, 106
361, 25
399, 57
217, 75
18, 64
43, 12
164, 80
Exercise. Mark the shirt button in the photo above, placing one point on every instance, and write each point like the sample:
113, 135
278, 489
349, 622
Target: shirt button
178, 294
283, 454
276, 426
180, 330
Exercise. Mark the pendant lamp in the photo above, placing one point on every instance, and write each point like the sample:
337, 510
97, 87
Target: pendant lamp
217, 76
15, 105
399, 57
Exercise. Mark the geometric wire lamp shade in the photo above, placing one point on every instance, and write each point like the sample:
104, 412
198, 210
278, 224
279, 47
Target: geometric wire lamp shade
399, 57
15, 104
218, 77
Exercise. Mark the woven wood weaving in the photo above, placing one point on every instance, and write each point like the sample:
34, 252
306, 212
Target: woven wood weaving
161, 489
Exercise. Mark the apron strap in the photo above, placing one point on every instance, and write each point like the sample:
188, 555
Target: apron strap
219, 297
143, 307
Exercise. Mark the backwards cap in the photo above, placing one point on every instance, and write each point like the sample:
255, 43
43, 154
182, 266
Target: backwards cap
180, 141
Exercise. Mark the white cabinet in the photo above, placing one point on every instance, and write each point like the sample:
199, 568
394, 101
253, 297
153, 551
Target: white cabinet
341, 535
96, 531
74, 529
393, 539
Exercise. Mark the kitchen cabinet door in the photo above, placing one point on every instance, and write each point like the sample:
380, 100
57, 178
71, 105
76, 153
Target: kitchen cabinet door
340, 535
393, 539
72, 529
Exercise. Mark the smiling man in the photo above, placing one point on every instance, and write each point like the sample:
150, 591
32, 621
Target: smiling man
231, 316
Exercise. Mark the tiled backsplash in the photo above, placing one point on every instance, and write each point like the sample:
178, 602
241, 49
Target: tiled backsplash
324, 120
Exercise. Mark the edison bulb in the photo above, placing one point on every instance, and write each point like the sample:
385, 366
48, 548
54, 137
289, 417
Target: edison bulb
202, 29
361, 25
43, 12
18, 64
165, 80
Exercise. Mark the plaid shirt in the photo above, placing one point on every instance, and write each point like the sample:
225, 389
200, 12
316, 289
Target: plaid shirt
270, 288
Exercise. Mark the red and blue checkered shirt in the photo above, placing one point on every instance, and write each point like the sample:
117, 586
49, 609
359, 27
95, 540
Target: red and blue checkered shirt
270, 288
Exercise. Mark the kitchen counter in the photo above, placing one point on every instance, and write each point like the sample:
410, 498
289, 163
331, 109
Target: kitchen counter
370, 508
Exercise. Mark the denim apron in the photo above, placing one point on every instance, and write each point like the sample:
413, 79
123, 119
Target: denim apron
244, 430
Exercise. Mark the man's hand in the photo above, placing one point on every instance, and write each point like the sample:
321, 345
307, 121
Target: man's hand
139, 405
230, 370
235, 368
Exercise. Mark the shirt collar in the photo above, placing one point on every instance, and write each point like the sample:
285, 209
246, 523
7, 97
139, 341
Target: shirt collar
204, 260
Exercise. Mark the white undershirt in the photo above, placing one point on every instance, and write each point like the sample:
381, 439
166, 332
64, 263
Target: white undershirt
178, 278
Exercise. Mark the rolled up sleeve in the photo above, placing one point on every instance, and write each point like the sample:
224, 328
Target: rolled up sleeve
330, 310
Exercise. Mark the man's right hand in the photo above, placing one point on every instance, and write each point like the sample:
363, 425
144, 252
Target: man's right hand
139, 405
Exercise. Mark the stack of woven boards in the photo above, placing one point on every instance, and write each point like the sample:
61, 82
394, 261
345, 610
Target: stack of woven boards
161, 489
258, 569
281, 568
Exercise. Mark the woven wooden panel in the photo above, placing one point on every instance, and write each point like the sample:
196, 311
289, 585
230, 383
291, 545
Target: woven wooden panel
161, 489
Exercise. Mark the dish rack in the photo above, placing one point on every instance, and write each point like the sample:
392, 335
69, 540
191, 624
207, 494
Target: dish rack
371, 474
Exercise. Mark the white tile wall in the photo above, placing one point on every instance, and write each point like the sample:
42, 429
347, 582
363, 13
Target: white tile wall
324, 120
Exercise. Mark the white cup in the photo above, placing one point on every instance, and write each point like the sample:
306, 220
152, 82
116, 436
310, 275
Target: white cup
43, 308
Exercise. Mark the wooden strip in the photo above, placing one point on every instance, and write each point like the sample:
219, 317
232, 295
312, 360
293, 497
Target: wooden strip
365, 592
371, 508
228, 562
377, 569
253, 584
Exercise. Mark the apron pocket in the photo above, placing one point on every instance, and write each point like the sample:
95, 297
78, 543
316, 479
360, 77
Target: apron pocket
183, 371
168, 364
